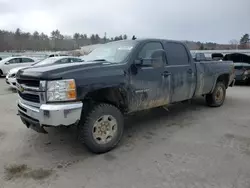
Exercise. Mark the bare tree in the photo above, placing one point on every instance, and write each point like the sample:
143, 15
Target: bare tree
234, 43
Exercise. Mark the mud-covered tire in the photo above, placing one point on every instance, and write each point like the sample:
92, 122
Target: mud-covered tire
217, 97
88, 127
248, 81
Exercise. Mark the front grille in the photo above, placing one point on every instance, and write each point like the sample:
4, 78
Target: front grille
31, 83
12, 76
29, 97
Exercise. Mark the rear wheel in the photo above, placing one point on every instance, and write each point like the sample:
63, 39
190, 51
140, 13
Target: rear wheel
217, 97
102, 128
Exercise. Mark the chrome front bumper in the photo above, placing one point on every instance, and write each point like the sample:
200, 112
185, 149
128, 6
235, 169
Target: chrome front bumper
11, 81
56, 114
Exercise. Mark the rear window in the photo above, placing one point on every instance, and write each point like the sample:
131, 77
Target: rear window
176, 54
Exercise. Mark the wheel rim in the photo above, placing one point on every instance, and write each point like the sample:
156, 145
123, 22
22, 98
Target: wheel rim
104, 129
219, 95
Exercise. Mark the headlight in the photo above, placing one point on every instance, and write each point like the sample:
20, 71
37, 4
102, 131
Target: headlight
61, 90
12, 75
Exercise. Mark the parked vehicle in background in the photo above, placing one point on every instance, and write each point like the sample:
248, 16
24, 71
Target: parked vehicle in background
197, 56
241, 66
11, 76
13, 62
116, 79
57, 55
217, 56
242, 72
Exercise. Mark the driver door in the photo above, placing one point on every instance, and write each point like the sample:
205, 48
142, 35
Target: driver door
150, 85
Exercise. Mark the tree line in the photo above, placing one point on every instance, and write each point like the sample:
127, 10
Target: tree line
20, 40
242, 43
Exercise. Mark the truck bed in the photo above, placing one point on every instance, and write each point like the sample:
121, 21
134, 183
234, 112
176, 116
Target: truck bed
207, 74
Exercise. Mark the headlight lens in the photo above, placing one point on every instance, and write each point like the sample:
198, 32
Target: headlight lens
61, 90
12, 75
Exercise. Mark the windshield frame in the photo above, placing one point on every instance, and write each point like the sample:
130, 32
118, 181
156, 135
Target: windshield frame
123, 43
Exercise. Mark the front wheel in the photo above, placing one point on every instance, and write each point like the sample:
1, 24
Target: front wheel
217, 97
102, 128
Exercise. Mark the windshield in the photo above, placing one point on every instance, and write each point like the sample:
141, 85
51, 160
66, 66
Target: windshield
113, 52
5, 59
45, 61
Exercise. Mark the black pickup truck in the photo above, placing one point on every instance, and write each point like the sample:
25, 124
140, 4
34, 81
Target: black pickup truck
116, 79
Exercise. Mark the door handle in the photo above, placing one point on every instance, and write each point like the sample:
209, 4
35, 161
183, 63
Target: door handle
166, 73
189, 71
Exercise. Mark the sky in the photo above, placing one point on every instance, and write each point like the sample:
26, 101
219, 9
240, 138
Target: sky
197, 20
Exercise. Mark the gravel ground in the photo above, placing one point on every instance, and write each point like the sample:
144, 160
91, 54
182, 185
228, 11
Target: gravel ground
190, 146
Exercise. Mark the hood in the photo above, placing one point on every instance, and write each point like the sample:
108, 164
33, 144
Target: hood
15, 70
59, 71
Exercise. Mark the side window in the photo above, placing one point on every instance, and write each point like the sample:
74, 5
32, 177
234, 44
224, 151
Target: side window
27, 60
15, 60
65, 60
148, 49
176, 54
75, 60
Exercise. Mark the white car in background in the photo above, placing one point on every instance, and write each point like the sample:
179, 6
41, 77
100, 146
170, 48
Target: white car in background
11, 76
13, 62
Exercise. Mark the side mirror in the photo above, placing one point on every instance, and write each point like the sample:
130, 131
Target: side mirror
138, 62
158, 58
6, 63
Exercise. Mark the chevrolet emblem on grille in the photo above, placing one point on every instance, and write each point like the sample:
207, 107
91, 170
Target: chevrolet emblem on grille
20, 88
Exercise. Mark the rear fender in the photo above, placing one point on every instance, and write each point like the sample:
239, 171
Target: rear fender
222, 77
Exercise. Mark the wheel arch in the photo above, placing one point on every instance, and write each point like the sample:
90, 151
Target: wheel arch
222, 78
114, 95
